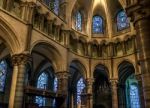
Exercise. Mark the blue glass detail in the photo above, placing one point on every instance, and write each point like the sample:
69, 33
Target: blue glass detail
56, 7
55, 89
132, 92
55, 84
3, 72
134, 97
42, 84
78, 21
80, 87
97, 25
122, 20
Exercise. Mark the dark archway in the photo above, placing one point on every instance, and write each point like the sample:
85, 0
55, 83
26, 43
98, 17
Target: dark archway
101, 88
76, 83
128, 86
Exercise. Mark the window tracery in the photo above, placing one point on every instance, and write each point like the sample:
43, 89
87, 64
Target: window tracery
122, 21
3, 72
97, 26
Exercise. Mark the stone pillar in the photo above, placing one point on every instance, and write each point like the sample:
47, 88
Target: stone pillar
114, 93
89, 92
63, 87
139, 79
17, 86
139, 11
13, 85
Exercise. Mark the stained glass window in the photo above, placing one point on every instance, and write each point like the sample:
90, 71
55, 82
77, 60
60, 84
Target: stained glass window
3, 72
122, 21
55, 84
78, 21
97, 25
56, 7
47, 2
55, 88
80, 87
134, 97
42, 84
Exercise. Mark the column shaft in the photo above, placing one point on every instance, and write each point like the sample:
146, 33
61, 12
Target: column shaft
13, 87
114, 94
20, 86
63, 88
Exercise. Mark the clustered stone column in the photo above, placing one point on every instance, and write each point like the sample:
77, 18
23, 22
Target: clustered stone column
89, 93
17, 86
114, 89
139, 11
63, 87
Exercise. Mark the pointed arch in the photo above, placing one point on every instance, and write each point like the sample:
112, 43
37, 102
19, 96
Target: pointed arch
9, 36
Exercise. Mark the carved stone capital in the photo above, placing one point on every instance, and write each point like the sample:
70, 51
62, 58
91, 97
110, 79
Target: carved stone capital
21, 59
62, 75
89, 81
114, 82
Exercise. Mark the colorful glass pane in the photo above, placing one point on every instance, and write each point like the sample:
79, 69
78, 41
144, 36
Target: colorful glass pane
80, 87
3, 72
55, 84
122, 21
42, 84
56, 7
97, 24
55, 88
134, 97
78, 21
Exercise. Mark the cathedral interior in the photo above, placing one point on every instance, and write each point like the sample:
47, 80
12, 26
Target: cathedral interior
74, 54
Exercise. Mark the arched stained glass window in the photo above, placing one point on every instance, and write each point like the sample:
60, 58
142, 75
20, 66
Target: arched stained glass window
42, 84
3, 72
122, 20
134, 96
78, 21
80, 87
97, 24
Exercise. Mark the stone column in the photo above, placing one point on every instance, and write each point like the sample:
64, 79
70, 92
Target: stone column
139, 79
139, 11
13, 85
63, 87
89, 92
114, 93
17, 86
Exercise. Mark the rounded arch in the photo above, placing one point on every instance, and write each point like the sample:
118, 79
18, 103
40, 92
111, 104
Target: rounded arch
125, 69
49, 52
126, 61
103, 66
79, 65
9, 36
